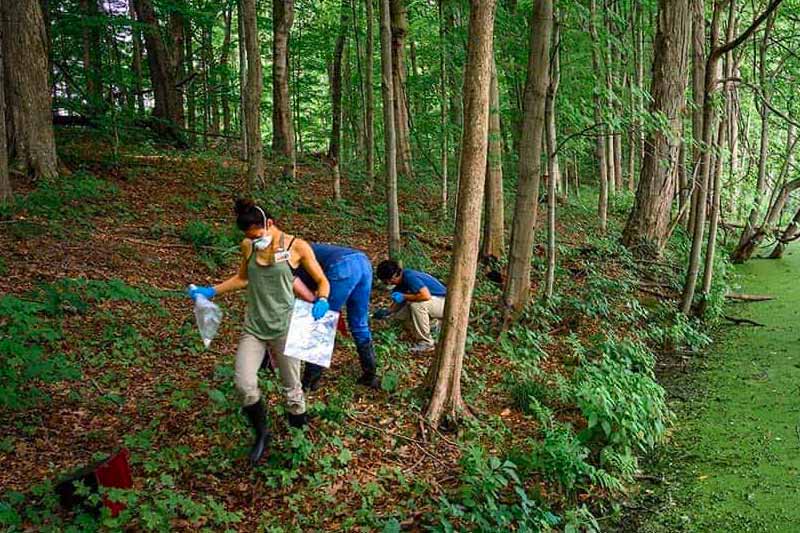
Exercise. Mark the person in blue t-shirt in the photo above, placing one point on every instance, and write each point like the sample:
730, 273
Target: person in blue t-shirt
349, 272
417, 298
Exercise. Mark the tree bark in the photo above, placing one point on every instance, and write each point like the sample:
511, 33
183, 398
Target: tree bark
698, 92
282, 126
29, 125
791, 233
600, 146
646, 230
493, 227
553, 173
253, 89
445, 134
399, 21
91, 55
242, 82
190, 88
518, 285
370, 98
446, 400
137, 59
166, 97
389, 141
334, 148
223, 63
6, 196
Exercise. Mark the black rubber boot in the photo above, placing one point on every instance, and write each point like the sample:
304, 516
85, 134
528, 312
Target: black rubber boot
258, 419
298, 421
311, 375
366, 356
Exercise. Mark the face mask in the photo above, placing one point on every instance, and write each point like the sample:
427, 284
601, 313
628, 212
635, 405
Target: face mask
263, 242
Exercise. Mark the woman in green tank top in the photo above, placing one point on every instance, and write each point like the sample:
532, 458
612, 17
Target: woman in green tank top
269, 258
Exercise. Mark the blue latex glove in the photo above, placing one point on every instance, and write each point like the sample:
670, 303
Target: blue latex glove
321, 307
398, 298
208, 292
381, 314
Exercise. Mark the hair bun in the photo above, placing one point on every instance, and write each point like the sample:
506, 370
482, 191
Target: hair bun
243, 205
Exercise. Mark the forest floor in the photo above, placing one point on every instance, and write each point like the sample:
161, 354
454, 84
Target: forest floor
103, 353
734, 461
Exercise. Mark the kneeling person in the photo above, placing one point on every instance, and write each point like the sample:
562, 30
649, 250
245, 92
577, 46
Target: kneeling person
417, 298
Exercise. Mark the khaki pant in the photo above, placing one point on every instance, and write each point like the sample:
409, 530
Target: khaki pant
420, 314
249, 356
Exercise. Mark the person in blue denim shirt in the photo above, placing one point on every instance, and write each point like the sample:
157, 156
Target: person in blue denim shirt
349, 272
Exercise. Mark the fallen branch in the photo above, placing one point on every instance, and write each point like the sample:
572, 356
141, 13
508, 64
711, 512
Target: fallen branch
740, 321
748, 297
413, 441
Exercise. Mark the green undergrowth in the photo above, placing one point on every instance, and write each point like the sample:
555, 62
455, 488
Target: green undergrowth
576, 375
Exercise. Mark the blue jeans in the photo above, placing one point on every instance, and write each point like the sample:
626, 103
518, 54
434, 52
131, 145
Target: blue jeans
351, 285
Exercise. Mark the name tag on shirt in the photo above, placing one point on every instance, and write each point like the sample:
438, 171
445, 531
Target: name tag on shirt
280, 257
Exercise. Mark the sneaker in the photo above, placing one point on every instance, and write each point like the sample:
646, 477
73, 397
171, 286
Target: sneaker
423, 347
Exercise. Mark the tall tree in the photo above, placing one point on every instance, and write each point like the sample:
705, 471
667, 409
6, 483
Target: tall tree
223, 63
91, 54
698, 92
334, 148
282, 126
242, 81
253, 89
518, 285
389, 143
167, 102
5, 183
445, 134
646, 230
445, 373
29, 125
493, 214
600, 143
138, 86
399, 20
704, 167
370, 98
553, 172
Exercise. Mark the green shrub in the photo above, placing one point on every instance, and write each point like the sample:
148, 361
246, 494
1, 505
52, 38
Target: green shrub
214, 245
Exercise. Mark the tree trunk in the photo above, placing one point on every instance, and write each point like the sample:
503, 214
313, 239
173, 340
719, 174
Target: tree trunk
445, 134
91, 55
253, 89
518, 285
334, 147
742, 252
242, 82
137, 60
370, 100
553, 173
190, 88
600, 146
389, 142
698, 89
399, 21
493, 228
6, 196
446, 400
176, 61
166, 106
282, 126
553, 168
791, 233
29, 124
687, 298
223, 63
646, 230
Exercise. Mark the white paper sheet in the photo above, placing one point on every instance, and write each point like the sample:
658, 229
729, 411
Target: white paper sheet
308, 339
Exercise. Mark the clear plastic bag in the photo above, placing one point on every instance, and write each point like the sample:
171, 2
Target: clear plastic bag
209, 316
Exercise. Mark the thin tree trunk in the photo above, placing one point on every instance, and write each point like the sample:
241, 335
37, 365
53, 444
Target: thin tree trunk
399, 20
553, 173
445, 134
789, 234
6, 196
334, 148
493, 228
446, 400
137, 60
698, 88
176, 62
242, 82
690, 284
29, 124
190, 87
389, 142
370, 111
600, 147
517, 290
253, 89
647, 227
282, 125
223, 63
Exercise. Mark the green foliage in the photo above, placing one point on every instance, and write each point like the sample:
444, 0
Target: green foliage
491, 498
215, 245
